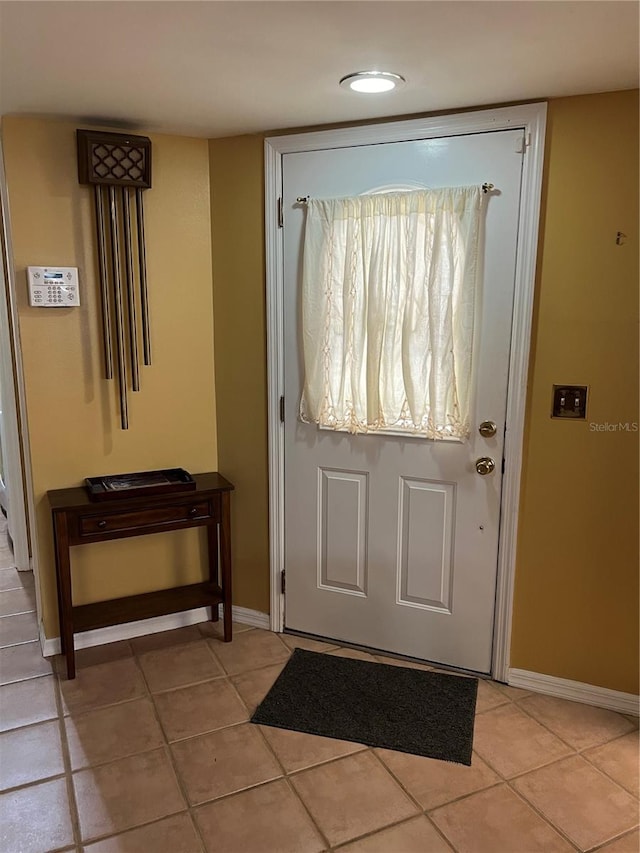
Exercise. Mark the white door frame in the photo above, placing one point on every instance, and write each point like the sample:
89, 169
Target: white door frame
532, 119
15, 436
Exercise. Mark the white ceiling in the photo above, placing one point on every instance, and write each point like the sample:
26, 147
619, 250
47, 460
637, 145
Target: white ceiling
223, 68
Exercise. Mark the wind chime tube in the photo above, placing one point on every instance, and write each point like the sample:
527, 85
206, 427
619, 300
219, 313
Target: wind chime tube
104, 278
117, 291
142, 260
131, 298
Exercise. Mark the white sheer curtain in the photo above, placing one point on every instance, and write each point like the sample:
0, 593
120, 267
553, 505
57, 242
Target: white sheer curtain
388, 309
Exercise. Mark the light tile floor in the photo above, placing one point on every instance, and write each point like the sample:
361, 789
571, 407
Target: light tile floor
150, 750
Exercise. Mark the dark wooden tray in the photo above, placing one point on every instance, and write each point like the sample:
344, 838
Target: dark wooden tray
139, 483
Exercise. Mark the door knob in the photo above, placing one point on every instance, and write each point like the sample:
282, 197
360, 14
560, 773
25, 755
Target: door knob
487, 429
485, 465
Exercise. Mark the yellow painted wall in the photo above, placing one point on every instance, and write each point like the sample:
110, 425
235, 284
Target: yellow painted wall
241, 373
73, 414
576, 602
576, 607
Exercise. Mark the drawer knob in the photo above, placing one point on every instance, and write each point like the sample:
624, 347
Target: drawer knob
102, 524
193, 510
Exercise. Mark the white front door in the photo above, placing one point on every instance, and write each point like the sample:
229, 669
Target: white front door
391, 542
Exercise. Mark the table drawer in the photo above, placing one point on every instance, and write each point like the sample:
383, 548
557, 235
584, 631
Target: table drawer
113, 522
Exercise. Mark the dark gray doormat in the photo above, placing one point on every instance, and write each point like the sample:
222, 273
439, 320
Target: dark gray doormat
409, 710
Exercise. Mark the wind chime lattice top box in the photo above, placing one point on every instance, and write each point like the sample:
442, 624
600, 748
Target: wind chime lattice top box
118, 159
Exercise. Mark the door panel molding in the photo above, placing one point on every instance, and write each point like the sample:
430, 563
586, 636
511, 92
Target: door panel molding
531, 119
425, 581
344, 518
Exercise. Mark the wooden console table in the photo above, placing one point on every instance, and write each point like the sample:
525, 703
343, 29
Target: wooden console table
79, 521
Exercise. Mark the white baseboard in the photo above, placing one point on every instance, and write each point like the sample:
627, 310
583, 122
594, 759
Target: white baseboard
128, 630
255, 618
576, 691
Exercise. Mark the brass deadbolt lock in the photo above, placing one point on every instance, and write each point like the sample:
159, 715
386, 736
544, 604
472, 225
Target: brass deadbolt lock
487, 429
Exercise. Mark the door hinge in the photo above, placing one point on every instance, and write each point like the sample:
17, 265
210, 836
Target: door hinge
282, 582
281, 410
280, 214
523, 143
503, 464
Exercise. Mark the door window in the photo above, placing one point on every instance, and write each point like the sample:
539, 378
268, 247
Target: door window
389, 284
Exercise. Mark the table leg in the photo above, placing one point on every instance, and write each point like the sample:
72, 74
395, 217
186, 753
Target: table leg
225, 559
63, 570
212, 549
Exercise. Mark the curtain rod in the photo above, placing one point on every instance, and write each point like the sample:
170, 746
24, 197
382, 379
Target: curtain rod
303, 199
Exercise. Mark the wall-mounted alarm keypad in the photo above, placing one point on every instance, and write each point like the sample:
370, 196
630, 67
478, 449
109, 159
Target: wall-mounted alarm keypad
53, 287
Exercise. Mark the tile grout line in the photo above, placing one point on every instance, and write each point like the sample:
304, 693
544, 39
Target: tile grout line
576, 753
590, 761
625, 834
11, 615
96, 838
561, 832
421, 810
255, 669
551, 732
27, 725
166, 690
508, 782
307, 811
249, 671
170, 757
21, 678
66, 758
517, 776
395, 778
327, 761
19, 643
235, 793
508, 779
369, 749
209, 646
397, 823
292, 788
85, 711
227, 674
101, 764
14, 588
56, 777
237, 693
176, 643
180, 740
609, 778
559, 737
573, 753
17, 613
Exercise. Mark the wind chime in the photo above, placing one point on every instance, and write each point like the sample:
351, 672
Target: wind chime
118, 166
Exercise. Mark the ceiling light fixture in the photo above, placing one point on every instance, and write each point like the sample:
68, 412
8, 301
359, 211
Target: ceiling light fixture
372, 82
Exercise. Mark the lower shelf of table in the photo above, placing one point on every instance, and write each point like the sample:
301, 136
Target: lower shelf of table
101, 614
